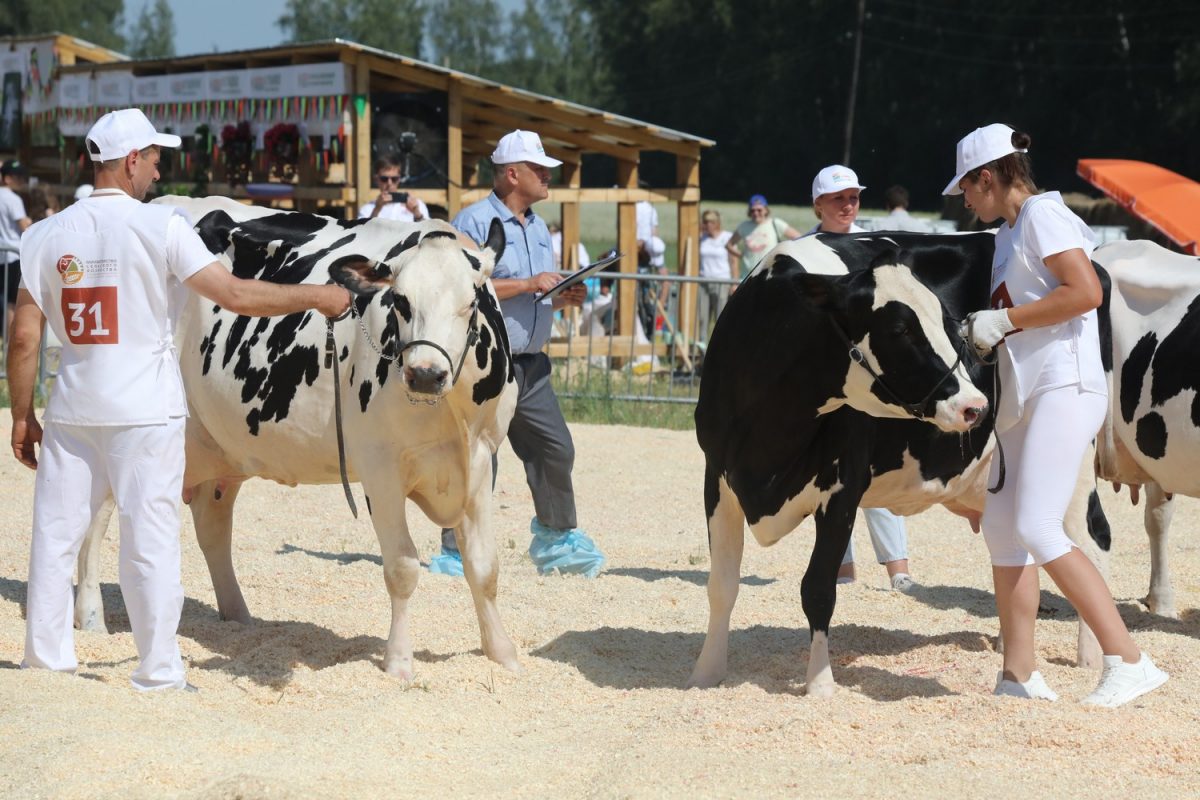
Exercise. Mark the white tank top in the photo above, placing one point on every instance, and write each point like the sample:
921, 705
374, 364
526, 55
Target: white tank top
1036, 360
107, 273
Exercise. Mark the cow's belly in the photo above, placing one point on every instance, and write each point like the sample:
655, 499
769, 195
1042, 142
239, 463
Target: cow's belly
770, 528
1165, 444
905, 492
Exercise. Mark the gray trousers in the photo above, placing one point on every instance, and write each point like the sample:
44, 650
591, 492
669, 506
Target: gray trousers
888, 536
540, 438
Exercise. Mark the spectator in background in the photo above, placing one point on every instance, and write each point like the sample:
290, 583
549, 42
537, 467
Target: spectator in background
556, 242
391, 203
835, 193
898, 218
13, 222
39, 203
757, 235
717, 263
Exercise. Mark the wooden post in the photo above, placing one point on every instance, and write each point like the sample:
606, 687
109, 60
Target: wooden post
687, 175
454, 156
358, 162
571, 176
627, 176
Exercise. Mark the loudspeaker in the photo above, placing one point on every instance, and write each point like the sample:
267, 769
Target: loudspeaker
411, 128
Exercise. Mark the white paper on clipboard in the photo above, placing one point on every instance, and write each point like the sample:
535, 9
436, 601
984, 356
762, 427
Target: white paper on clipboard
581, 274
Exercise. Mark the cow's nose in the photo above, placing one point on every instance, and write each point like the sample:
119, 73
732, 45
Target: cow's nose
973, 415
426, 380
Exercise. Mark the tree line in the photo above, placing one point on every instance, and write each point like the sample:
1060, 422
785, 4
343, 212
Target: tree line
788, 86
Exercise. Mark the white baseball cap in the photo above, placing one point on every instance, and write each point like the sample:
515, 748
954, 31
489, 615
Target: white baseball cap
118, 133
981, 146
833, 179
522, 146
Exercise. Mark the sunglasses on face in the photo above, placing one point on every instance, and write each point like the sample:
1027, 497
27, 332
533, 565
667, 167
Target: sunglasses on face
388, 178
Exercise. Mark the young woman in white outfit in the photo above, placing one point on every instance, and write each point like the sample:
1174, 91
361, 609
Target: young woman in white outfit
835, 194
1053, 398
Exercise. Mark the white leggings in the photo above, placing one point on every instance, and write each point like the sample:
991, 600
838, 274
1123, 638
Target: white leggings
1023, 522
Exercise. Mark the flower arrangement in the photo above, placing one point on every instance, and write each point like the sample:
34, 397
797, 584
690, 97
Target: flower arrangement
282, 145
237, 146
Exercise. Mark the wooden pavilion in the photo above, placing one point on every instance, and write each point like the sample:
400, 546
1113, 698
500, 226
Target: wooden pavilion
327, 88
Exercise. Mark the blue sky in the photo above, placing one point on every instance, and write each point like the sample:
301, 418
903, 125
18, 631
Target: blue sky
202, 26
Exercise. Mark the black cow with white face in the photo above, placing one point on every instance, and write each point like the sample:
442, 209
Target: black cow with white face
791, 425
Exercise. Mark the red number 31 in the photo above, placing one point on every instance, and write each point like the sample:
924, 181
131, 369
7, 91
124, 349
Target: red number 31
90, 314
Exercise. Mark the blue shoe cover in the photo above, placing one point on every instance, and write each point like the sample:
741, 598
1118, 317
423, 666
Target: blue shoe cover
448, 563
570, 551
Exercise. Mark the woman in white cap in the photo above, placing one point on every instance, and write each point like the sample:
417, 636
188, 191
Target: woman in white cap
1053, 398
835, 194
755, 237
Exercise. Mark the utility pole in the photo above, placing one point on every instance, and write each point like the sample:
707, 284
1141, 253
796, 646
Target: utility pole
858, 34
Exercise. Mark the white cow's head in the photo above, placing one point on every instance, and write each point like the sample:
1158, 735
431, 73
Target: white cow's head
436, 289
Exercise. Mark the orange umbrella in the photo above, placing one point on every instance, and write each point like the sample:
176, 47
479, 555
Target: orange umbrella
1165, 199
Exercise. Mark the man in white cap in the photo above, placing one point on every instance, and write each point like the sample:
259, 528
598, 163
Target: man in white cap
835, 193
538, 433
105, 274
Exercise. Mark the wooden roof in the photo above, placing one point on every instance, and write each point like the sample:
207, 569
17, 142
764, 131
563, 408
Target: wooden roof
489, 109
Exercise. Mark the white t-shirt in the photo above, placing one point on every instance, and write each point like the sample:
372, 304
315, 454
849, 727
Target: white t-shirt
1036, 360
647, 220
901, 220
581, 255
817, 229
714, 258
107, 272
394, 210
12, 210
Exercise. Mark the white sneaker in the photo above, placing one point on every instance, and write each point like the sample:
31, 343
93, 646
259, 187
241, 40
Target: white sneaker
1033, 689
902, 582
1121, 682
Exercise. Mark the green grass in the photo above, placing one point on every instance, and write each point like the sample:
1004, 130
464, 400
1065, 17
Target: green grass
598, 390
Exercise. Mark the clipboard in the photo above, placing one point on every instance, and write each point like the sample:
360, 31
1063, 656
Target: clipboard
579, 275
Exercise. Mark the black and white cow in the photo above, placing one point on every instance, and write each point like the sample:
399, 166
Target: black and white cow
1151, 436
426, 383
794, 421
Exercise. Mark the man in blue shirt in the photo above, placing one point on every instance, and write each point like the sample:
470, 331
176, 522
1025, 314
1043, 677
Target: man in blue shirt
538, 432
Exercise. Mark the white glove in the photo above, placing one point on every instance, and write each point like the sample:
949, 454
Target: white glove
988, 328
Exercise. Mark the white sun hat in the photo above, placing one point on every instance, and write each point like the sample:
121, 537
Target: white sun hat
834, 178
522, 146
981, 146
118, 133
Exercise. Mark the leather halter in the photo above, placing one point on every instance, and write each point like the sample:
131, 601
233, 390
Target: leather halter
914, 409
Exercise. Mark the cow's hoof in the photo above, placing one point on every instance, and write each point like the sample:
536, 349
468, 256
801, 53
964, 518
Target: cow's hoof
92, 621
1163, 607
509, 661
820, 688
401, 669
705, 679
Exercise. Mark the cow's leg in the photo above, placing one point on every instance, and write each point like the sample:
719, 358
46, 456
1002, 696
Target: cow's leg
401, 571
481, 567
212, 513
726, 539
1086, 526
89, 606
818, 589
1159, 509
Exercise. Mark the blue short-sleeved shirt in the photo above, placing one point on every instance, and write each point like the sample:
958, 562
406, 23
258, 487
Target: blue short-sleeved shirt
527, 252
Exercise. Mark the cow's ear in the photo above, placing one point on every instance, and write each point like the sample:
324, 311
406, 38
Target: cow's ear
361, 275
496, 239
823, 291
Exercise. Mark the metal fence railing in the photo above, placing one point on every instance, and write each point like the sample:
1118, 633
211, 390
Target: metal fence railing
657, 357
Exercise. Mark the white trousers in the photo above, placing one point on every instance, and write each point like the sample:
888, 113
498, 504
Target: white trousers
143, 467
889, 536
1023, 522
